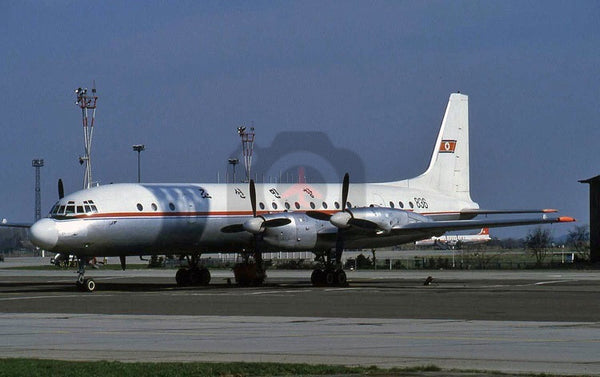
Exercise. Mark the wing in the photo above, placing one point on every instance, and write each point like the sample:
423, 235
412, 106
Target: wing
445, 226
6, 224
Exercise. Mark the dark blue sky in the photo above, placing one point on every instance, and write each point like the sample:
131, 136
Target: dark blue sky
373, 76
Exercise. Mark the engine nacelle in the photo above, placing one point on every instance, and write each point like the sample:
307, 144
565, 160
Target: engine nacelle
299, 235
380, 219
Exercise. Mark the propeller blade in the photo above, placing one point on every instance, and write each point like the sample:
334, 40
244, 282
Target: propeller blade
253, 197
274, 223
61, 189
345, 187
339, 244
340, 218
318, 215
234, 228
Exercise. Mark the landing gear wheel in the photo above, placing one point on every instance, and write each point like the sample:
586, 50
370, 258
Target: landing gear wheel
330, 277
340, 278
204, 276
248, 274
317, 278
194, 276
182, 277
89, 285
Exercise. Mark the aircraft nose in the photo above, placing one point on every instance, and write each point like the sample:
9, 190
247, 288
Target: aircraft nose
43, 233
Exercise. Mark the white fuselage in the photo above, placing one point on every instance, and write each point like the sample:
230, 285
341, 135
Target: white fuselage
170, 218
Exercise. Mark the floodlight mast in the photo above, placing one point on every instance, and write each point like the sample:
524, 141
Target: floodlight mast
139, 148
247, 148
37, 164
87, 102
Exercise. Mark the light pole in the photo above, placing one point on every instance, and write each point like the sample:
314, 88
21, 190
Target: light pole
233, 162
139, 148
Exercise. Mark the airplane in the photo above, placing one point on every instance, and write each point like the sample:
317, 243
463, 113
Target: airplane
456, 240
134, 219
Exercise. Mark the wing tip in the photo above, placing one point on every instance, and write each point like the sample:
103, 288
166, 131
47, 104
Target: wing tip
566, 219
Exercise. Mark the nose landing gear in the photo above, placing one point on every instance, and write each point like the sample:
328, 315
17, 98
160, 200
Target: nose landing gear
83, 284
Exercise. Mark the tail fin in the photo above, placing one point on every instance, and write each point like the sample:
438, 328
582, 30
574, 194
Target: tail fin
448, 171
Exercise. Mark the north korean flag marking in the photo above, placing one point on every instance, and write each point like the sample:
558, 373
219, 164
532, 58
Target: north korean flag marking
447, 146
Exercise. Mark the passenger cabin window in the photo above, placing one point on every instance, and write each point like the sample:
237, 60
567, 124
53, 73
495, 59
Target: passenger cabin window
391, 204
312, 205
336, 205
297, 205
401, 205
324, 205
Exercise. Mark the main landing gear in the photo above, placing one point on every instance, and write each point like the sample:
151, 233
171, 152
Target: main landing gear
194, 275
83, 284
329, 277
250, 272
332, 275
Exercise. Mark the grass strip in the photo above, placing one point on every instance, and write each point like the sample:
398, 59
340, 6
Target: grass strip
46, 368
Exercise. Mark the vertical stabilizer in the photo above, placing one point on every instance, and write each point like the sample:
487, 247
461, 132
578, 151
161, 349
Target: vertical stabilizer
448, 171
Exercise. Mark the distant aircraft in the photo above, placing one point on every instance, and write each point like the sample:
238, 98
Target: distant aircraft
457, 240
193, 219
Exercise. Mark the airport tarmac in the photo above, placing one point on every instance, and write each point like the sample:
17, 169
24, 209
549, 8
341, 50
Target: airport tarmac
511, 321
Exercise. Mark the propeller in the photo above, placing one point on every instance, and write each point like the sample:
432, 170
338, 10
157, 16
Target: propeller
257, 224
318, 215
341, 216
61, 189
342, 219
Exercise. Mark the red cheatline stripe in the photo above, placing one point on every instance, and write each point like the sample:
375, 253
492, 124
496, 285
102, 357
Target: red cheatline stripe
211, 213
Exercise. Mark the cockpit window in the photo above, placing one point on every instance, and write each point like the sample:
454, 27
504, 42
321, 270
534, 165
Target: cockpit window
73, 208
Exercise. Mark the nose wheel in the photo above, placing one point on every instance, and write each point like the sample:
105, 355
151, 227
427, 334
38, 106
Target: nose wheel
82, 283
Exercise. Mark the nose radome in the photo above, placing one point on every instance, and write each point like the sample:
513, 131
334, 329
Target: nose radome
43, 233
